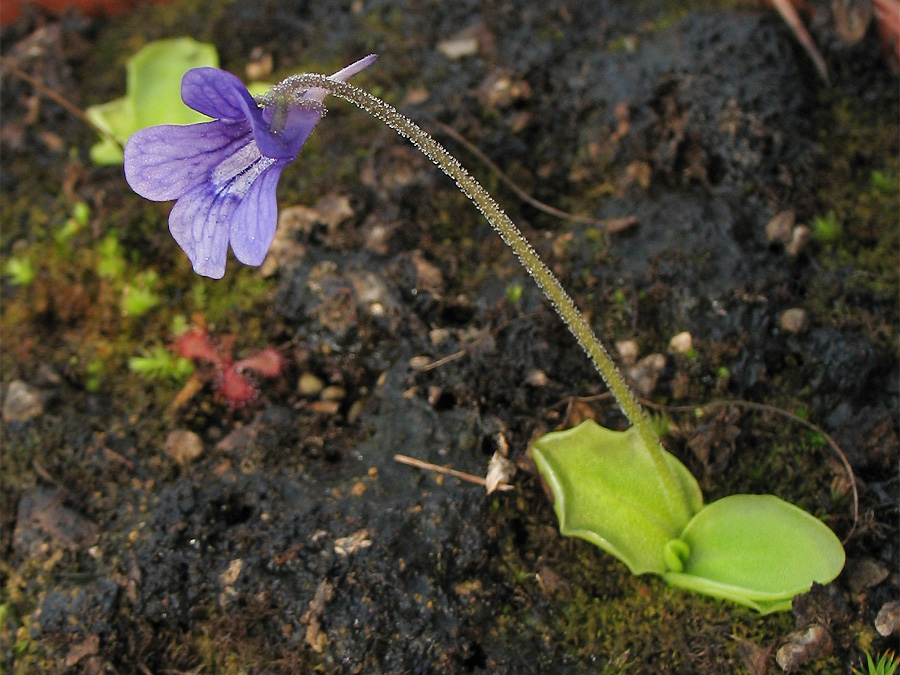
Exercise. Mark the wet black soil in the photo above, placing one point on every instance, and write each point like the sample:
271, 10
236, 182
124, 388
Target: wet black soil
294, 542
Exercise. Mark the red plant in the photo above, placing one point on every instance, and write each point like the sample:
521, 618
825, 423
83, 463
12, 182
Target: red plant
235, 387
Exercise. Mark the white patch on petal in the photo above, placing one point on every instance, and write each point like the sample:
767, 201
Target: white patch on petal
235, 175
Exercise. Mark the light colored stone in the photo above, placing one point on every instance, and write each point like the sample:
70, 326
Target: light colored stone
457, 48
887, 622
802, 647
800, 237
309, 385
628, 351
681, 343
350, 544
537, 378
333, 393
183, 446
23, 402
778, 230
645, 373
794, 320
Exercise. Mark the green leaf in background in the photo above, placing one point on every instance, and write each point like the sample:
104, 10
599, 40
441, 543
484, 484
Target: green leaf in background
153, 94
607, 492
756, 550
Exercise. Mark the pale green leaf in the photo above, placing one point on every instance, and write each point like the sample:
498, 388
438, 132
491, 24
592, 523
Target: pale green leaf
607, 492
756, 550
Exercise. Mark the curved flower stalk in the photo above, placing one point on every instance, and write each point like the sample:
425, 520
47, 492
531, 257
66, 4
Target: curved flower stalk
224, 173
619, 490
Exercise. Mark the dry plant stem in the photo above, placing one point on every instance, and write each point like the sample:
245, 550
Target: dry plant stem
428, 466
792, 19
462, 352
510, 234
611, 225
57, 98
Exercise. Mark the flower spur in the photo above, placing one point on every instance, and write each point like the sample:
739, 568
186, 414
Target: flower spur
224, 173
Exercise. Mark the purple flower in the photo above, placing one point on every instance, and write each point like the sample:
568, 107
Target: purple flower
224, 172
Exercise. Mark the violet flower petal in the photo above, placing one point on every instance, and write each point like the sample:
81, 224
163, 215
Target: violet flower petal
254, 220
196, 223
237, 204
224, 173
164, 162
216, 93
295, 129
342, 75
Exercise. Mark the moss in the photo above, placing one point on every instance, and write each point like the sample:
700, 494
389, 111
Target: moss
858, 193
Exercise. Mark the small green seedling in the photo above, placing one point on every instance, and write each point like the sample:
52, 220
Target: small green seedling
826, 228
161, 364
153, 94
886, 665
138, 298
20, 271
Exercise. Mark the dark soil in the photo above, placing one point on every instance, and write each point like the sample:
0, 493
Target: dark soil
294, 542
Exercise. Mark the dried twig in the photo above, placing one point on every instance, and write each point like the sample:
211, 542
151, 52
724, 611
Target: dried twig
56, 97
428, 466
792, 19
462, 352
611, 225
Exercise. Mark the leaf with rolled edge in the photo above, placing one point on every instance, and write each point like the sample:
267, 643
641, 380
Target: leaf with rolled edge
606, 491
756, 550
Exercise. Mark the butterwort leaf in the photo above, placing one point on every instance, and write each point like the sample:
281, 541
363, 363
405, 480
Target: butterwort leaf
757, 550
606, 491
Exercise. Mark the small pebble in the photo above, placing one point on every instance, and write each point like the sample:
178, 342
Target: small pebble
47, 377
778, 230
794, 320
802, 647
23, 402
309, 385
681, 343
428, 276
459, 47
799, 239
628, 351
183, 446
864, 574
333, 393
645, 373
537, 378
419, 362
438, 335
350, 544
355, 410
232, 572
887, 622
325, 407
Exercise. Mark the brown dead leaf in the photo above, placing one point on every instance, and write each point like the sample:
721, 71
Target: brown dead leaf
754, 657
713, 442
